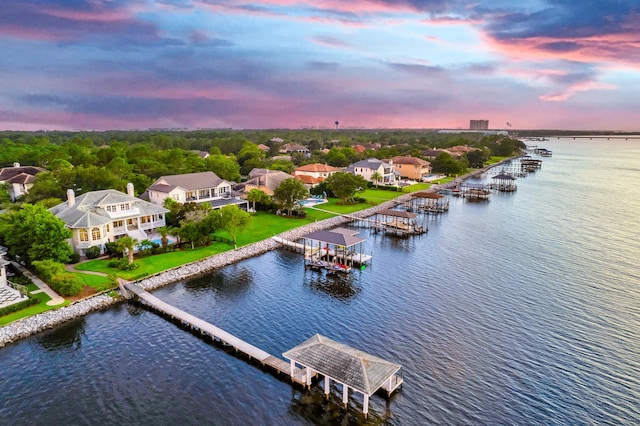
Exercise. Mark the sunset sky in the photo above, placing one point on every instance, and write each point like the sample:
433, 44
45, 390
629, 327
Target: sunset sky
244, 64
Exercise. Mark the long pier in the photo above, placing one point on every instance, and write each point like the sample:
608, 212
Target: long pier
204, 328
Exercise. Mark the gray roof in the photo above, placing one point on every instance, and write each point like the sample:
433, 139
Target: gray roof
357, 369
336, 238
89, 208
7, 173
268, 178
188, 181
425, 194
396, 213
370, 163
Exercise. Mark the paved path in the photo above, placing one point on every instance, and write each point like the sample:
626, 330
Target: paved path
55, 298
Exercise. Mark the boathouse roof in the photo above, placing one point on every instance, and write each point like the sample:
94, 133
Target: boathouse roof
504, 176
357, 369
338, 238
425, 194
397, 213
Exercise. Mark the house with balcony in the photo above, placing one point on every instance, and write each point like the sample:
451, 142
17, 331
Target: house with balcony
203, 187
411, 167
98, 217
367, 168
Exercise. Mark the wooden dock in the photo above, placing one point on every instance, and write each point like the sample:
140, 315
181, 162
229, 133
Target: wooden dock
204, 328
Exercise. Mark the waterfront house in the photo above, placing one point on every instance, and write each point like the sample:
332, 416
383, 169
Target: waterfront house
19, 179
8, 295
367, 168
263, 179
411, 167
312, 174
203, 187
99, 217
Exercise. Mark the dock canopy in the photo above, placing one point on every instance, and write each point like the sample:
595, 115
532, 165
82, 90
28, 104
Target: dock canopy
430, 195
353, 368
397, 213
339, 237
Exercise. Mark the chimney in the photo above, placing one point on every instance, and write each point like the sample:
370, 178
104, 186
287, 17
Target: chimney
130, 190
16, 165
71, 197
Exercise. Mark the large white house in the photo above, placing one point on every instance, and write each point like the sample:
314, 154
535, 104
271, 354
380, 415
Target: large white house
203, 187
99, 217
367, 168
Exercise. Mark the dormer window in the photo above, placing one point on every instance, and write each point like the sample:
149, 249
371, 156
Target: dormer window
124, 207
111, 208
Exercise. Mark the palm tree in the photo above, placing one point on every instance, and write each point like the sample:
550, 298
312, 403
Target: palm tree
126, 244
376, 177
163, 231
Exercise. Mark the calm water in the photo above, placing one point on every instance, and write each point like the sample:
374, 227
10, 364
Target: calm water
522, 310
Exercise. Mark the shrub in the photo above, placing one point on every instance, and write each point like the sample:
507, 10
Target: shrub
74, 258
112, 249
92, 252
19, 306
62, 282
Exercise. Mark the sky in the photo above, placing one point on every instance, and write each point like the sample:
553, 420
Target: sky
246, 64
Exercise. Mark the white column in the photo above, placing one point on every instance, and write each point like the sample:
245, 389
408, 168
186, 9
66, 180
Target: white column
365, 406
345, 394
326, 386
309, 374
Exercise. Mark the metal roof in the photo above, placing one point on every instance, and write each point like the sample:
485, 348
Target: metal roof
359, 370
89, 208
433, 195
397, 213
188, 181
335, 238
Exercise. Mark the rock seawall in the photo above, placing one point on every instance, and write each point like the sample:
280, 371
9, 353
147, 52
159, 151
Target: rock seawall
46, 320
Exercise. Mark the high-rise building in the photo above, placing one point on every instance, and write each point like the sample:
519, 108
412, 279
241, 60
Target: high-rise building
479, 124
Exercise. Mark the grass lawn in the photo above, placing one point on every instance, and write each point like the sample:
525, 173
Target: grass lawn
494, 159
98, 282
261, 227
31, 310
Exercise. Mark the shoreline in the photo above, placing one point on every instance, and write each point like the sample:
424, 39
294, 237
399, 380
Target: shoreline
29, 326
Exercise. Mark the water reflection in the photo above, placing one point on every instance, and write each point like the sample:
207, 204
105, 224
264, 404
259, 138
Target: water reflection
313, 406
232, 281
338, 285
66, 336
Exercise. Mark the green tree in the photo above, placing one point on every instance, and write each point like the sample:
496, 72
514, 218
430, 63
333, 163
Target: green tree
444, 163
257, 196
189, 231
233, 220
34, 233
289, 192
226, 167
376, 177
163, 231
345, 186
127, 244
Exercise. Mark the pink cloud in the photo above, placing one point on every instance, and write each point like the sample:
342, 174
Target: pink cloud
575, 88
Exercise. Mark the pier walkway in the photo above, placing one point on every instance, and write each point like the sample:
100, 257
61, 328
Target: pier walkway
217, 334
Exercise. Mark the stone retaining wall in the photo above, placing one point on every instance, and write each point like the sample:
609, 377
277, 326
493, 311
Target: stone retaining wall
37, 323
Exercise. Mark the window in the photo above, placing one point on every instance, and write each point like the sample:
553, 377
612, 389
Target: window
124, 207
95, 234
111, 208
84, 235
118, 224
145, 219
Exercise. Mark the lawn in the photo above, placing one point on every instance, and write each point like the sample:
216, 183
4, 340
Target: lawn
261, 227
495, 159
31, 310
97, 282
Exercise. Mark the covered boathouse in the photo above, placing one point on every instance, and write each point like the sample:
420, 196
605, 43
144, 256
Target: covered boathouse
334, 250
352, 368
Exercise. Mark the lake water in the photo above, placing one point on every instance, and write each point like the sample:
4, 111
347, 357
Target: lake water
521, 310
